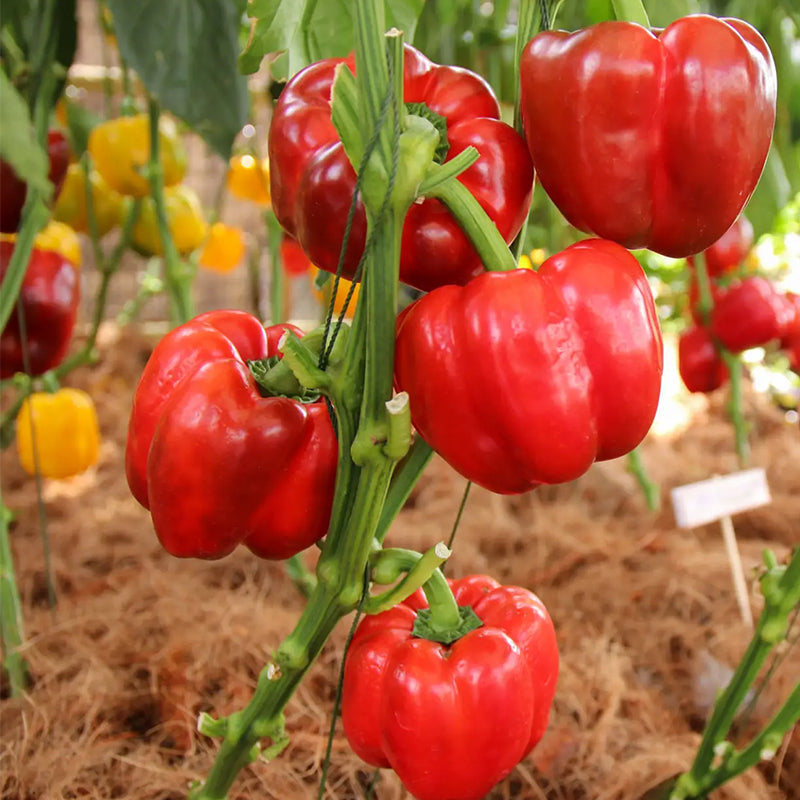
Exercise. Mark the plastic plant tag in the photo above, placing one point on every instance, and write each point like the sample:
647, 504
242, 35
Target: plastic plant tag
714, 499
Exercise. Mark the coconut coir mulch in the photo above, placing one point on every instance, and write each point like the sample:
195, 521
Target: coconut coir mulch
140, 642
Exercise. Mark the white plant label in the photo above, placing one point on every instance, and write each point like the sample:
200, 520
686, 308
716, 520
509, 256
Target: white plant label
714, 499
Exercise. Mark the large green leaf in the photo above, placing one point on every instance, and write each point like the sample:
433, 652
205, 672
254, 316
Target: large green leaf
18, 146
185, 52
308, 30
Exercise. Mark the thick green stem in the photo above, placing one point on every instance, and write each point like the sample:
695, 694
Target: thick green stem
631, 11
475, 222
781, 590
11, 629
177, 274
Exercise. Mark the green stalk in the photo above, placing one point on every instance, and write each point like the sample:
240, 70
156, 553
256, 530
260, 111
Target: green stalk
177, 274
651, 491
11, 628
631, 11
735, 406
781, 589
483, 233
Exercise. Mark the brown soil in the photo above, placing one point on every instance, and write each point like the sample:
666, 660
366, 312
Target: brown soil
140, 642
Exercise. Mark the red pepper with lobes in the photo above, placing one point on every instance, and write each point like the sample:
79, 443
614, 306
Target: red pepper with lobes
452, 719
522, 378
751, 313
49, 298
651, 139
215, 462
312, 181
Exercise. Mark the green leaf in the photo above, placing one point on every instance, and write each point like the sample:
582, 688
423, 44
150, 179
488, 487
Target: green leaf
313, 29
18, 146
185, 52
771, 195
80, 122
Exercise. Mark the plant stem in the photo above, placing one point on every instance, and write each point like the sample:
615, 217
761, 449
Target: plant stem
177, 274
482, 232
11, 628
277, 297
781, 590
651, 491
735, 406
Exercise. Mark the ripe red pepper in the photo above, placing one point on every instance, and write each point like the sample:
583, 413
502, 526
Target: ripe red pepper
452, 720
13, 189
751, 313
216, 463
312, 181
730, 250
699, 362
49, 296
523, 377
651, 139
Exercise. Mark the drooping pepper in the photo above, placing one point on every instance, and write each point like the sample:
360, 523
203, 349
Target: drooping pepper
522, 378
700, 363
452, 720
58, 433
49, 298
216, 463
312, 181
751, 313
651, 139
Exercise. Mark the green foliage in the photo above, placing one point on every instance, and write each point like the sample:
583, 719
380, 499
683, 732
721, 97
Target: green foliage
18, 146
313, 29
185, 52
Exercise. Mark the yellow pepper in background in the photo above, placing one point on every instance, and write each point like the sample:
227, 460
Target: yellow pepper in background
65, 431
223, 249
248, 179
185, 221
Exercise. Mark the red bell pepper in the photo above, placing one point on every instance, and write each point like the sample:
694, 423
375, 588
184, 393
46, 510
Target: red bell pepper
452, 720
523, 377
13, 190
49, 297
700, 364
730, 250
216, 463
312, 181
651, 139
751, 313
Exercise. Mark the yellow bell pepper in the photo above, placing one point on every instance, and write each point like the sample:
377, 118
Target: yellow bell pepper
63, 425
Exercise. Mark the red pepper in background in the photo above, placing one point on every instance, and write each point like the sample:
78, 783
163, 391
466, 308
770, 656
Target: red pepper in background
216, 463
650, 139
730, 250
751, 313
13, 190
452, 720
312, 181
523, 377
699, 362
49, 296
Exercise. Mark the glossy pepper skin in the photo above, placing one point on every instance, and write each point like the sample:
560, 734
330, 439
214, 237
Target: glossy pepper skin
699, 362
452, 720
216, 463
650, 139
13, 190
66, 438
751, 313
312, 181
522, 378
49, 297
